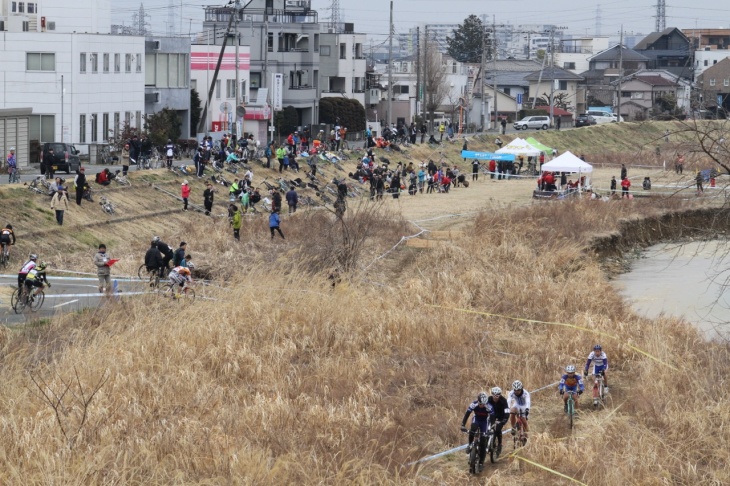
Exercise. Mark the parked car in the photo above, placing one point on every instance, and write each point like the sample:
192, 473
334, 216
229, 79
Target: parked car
601, 116
617, 118
64, 158
585, 120
536, 122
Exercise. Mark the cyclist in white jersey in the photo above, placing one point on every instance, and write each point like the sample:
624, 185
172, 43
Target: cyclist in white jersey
518, 401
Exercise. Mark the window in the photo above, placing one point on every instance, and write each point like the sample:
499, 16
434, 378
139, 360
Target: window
324, 51
105, 126
218, 89
726, 82
271, 42
712, 82
106, 62
14, 7
244, 96
183, 67
706, 63
116, 125
94, 59
194, 84
138, 120
138, 63
163, 70
563, 85
117, 63
82, 128
506, 91
82, 62
26, 26
568, 65
40, 61
94, 132
31, 7
230, 88
150, 70
343, 51
42, 128
316, 42
637, 95
21, 7
127, 63
255, 80
174, 72
127, 119
625, 94
714, 62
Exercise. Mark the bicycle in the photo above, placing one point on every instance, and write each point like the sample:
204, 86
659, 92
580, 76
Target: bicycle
14, 175
150, 276
106, 205
599, 390
520, 437
41, 186
122, 180
475, 452
5, 255
31, 300
570, 404
170, 291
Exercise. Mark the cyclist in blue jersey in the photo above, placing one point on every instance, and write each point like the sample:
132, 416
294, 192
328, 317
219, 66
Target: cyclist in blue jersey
600, 364
483, 417
570, 382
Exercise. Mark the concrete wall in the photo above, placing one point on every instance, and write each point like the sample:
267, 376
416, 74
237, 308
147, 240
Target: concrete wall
177, 99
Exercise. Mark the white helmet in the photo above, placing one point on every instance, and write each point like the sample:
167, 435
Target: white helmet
517, 385
570, 369
482, 398
155, 239
496, 391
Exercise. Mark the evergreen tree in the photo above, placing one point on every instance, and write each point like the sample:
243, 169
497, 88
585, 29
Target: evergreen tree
466, 43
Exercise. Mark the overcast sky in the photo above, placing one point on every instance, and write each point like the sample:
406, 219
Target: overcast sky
371, 16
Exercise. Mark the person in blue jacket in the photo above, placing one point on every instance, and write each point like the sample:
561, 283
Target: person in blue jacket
600, 364
274, 222
570, 382
483, 417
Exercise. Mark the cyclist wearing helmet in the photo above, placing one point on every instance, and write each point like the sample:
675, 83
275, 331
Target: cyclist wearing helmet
7, 237
483, 416
571, 382
36, 278
519, 402
27, 267
501, 414
180, 276
600, 364
169, 153
166, 250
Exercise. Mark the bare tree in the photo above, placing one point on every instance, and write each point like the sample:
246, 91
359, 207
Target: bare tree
435, 82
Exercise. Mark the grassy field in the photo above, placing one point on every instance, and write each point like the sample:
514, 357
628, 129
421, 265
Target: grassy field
282, 377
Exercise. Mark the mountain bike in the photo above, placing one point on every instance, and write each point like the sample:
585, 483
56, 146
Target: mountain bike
173, 291
22, 299
475, 453
599, 390
106, 205
571, 407
5, 255
520, 436
152, 277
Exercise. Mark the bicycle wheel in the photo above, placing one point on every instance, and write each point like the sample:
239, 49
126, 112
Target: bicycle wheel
14, 301
492, 448
571, 411
473, 457
37, 301
188, 294
142, 272
167, 291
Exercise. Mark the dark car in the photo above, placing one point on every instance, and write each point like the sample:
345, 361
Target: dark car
585, 120
64, 157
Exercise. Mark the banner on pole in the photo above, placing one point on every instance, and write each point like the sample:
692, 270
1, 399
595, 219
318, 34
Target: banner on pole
277, 91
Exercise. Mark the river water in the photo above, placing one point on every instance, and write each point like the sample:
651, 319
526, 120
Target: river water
686, 280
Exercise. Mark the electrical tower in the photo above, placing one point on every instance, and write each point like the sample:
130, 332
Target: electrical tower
140, 26
661, 16
171, 18
335, 18
598, 19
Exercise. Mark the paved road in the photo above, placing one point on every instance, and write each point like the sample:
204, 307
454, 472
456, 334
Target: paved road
67, 294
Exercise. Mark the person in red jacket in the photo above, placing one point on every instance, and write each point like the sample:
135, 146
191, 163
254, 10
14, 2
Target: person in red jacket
185, 193
625, 184
549, 181
492, 168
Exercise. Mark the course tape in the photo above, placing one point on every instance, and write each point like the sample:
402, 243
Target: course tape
462, 447
561, 324
545, 468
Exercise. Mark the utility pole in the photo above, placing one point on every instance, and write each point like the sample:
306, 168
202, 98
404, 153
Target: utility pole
418, 67
482, 70
425, 76
494, 63
552, 70
620, 70
390, 67
237, 90
62, 90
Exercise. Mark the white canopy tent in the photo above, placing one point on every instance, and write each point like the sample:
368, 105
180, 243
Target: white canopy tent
519, 146
567, 162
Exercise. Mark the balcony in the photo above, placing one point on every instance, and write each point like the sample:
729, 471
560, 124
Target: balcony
257, 15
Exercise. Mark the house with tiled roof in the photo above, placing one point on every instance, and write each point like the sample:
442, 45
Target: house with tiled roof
645, 96
670, 50
558, 80
714, 86
605, 68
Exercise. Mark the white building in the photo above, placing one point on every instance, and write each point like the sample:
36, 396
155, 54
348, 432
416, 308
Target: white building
572, 54
707, 58
82, 16
342, 65
100, 79
221, 111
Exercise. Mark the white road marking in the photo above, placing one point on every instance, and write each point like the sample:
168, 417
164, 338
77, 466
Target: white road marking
65, 303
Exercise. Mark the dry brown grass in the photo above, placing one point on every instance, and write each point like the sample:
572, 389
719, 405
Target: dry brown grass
281, 378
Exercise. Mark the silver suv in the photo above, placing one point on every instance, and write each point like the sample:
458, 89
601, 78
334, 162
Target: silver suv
536, 122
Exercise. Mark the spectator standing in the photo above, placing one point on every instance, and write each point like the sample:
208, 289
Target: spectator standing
275, 201
413, 132
80, 184
679, 166
198, 160
475, 170
625, 185
49, 164
492, 168
208, 198
699, 179
280, 154
624, 172
103, 270
442, 129
12, 166
179, 255
59, 203
292, 199
613, 185
274, 222
135, 147
185, 194
464, 148
235, 221
504, 125
169, 153
423, 132
125, 159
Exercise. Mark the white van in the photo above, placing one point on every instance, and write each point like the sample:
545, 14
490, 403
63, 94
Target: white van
601, 116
